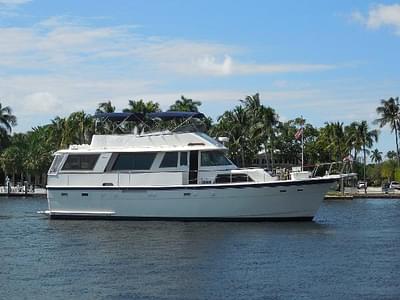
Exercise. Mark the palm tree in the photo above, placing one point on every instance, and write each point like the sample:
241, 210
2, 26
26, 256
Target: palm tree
105, 107
263, 122
234, 124
391, 154
142, 107
333, 139
351, 142
7, 119
185, 104
362, 136
82, 127
376, 156
13, 158
389, 113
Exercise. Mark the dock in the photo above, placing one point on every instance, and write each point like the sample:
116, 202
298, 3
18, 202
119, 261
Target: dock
371, 193
20, 192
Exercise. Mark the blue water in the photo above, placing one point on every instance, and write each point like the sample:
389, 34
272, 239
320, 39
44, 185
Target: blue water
350, 251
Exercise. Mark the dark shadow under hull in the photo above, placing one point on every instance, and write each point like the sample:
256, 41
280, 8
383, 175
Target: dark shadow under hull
183, 219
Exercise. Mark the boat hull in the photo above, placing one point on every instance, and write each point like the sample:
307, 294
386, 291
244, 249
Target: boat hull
285, 200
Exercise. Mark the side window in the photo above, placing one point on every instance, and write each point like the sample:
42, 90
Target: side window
84, 162
56, 163
183, 160
170, 160
134, 161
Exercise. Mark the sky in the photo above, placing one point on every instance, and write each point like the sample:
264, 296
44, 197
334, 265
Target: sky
325, 60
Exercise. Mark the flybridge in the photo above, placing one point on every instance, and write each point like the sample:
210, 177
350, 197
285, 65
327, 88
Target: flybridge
157, 141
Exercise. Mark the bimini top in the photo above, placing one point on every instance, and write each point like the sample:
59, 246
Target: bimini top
166, 115
120, 116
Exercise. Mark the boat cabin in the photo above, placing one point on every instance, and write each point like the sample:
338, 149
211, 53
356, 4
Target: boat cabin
149, 159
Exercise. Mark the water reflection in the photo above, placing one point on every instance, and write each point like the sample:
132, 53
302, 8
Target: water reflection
350, 250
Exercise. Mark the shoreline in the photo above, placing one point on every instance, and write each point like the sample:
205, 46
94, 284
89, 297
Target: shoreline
363, 196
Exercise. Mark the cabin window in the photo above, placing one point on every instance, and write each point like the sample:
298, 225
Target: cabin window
214, 158
56, 163
183, 160
78, 162
170, 160
134, 161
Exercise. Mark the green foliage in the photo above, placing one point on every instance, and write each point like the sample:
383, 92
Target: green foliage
185, 104
389, 114
397, 174
388, 168
250, 126
7, 119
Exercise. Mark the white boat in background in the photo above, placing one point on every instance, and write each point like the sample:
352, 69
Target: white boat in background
173, 175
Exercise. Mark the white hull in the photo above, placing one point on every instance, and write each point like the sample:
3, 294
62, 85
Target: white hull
248, 201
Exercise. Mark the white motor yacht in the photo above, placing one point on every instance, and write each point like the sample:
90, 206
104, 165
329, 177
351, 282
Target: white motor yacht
173, 175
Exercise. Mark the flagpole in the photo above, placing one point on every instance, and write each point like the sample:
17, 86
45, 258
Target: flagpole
302, 144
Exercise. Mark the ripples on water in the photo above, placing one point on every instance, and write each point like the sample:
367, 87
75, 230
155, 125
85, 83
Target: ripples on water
351, 250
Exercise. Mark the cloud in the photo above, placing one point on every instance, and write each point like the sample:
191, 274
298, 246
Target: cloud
37, 99
380, 16
61, 65
13, 2
63, 45
41, 102
209, 65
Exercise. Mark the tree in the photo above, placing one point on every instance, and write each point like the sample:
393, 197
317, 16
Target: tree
333, 139
7, 119
365, 138
81, 125
389, 115
391, 155
250, 127
142, 107
234, 124
105, 107
353, 143
185, 104
40, 151
376, 156
12, 159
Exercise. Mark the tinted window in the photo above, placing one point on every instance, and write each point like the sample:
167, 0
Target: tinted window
56, 163
80, 162
214, 158
170, 160
134, 161
183, 159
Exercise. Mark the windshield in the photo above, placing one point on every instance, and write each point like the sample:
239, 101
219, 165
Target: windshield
56, 163
214, 158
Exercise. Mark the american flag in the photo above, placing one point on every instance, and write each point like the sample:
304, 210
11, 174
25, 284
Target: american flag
299, 133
